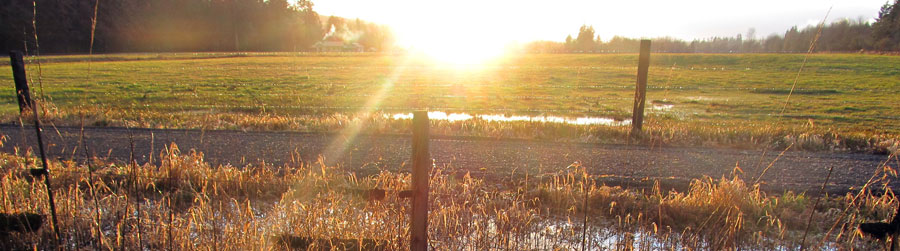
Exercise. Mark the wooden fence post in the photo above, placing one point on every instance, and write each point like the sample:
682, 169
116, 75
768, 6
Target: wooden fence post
640, 90
18, 68
420, 175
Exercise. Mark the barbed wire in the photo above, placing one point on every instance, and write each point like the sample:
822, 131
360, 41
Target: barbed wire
386, 108
407, 109
548, 112
97, 174
414, 95
433, 84
443, 167
295, 66
555, 86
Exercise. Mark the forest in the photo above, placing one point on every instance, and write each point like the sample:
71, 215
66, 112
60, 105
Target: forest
66, 27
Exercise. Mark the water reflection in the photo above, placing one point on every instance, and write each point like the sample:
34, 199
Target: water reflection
453, 117
662, 107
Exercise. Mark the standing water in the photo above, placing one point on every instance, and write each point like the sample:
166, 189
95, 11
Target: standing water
452, 117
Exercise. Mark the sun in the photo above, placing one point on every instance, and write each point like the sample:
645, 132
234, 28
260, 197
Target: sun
459, 52
439, 33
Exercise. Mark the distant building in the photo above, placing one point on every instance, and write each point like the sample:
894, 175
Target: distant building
337, 46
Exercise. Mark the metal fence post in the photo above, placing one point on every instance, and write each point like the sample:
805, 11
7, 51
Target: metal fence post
640, 91
420, 175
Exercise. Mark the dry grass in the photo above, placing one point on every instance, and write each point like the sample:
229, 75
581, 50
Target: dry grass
186, 204
737, 134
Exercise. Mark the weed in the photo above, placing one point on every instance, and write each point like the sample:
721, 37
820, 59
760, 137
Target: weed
187, 204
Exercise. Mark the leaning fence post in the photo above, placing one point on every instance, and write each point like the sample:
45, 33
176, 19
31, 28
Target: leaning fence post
19, 75
640, 90
18, 68
420, 175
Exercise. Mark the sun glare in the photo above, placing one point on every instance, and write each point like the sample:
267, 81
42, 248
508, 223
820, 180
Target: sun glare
439, 33
467, 47
459, 52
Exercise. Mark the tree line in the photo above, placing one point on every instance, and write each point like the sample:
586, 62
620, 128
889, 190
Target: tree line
840, 36
65, 26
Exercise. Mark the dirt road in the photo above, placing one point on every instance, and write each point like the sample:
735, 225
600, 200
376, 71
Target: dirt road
503, 159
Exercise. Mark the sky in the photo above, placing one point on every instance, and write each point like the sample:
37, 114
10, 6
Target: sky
467, 31
527, 20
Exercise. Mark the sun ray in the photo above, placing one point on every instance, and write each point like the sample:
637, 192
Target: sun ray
338, 146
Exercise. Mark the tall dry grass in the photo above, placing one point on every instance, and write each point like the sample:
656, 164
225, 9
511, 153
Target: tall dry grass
184, 203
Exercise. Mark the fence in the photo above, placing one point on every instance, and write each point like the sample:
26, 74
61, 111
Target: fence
419, 192
418, 236
420, 158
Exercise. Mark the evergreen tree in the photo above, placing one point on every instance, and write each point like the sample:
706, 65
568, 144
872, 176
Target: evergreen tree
886, 30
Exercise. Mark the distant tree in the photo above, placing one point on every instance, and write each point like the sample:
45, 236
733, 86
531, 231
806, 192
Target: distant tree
846, 35
773, 43
669, 44
545, 47
793, 41
585, 40
622, 44
309, 25
374, 37
750, 43
886, 30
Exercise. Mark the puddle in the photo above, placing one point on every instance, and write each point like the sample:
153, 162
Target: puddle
453, 117
434, 115
699, 98
662, 107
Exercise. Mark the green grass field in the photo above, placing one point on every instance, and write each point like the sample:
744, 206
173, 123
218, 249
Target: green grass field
841, 102
692, 98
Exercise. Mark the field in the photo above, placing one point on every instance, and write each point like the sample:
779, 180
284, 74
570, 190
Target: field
840, 101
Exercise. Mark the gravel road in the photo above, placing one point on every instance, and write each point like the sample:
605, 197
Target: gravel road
628, 165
